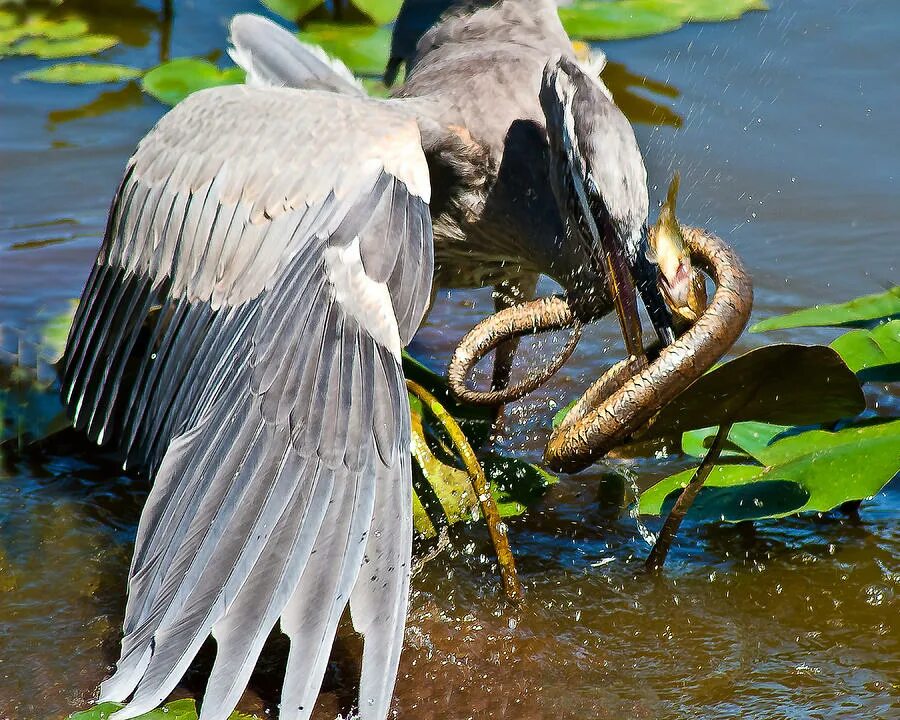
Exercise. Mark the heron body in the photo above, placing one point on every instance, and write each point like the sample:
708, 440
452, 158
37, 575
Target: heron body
270, 249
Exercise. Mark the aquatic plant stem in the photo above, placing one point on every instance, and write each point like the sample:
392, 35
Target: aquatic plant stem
657, 557
496, 529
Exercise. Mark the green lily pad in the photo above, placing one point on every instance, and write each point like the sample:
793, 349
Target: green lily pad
826, 469
444, 492
362, 48
82, 73
704, 10
184, 709
745, 438
8, 19
874, 355
40, 27
174, 80
381, 11
784, 384
49, 49
292, 10
863, 312
595, 20
515, 484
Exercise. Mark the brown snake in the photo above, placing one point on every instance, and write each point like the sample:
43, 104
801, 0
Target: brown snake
628, 395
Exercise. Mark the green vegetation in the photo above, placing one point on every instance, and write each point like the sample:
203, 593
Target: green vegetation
82, 73
173, 81
49, 37
357, 33
800, 438
176, 710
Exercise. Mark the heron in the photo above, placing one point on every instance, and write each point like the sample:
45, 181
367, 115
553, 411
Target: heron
270, 249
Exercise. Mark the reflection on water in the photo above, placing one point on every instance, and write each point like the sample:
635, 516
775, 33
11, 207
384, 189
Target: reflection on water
780, 125
107, 101
623, 84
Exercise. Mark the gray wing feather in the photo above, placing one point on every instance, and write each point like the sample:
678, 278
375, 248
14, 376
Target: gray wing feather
219, 345
376, 605
274, 57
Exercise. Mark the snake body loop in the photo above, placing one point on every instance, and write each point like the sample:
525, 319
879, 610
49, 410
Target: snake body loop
537, 316
633, 390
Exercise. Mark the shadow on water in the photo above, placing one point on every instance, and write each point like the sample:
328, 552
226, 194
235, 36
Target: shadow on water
789, 619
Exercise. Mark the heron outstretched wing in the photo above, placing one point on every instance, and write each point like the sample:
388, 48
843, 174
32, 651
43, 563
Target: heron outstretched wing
267, 255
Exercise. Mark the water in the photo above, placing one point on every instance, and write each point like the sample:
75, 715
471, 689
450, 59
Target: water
787, 147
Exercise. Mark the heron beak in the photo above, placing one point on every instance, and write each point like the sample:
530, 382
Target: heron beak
646, 279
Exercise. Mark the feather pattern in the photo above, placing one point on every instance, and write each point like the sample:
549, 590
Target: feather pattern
239, 338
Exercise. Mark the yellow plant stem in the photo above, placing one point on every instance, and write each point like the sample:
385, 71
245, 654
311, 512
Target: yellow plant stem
496, 528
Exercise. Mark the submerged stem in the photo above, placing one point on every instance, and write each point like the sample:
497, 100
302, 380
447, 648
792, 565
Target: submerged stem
482, 491
657, 557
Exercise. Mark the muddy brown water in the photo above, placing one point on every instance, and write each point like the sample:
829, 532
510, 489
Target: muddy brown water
784, 126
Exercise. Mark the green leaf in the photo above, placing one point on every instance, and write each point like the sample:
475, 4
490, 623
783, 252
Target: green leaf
562, 412
704, 10
814, 471
745, 438
475, 420
381, 11
363, 48
56, 331
174, 80
447, 496
73, 47
81, 73
292, 10
595, 20
184, 709
515, 484
874, 355
864, 311
41, 27
784, 384
8, 19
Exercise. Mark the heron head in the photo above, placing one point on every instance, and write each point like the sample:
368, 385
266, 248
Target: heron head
600, 183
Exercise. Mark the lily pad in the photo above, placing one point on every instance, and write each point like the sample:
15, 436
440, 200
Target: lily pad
381, 11
516, 484
704, 10
292, 10
82, 73
444, 493
745, 438
362, 48
861, 312
595, 20
874, 355
826, 469
72, 47
174, 80
184, 709
38, 26
447, 496
784, 384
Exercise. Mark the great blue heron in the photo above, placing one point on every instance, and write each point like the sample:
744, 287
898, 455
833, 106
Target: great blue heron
269, 251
